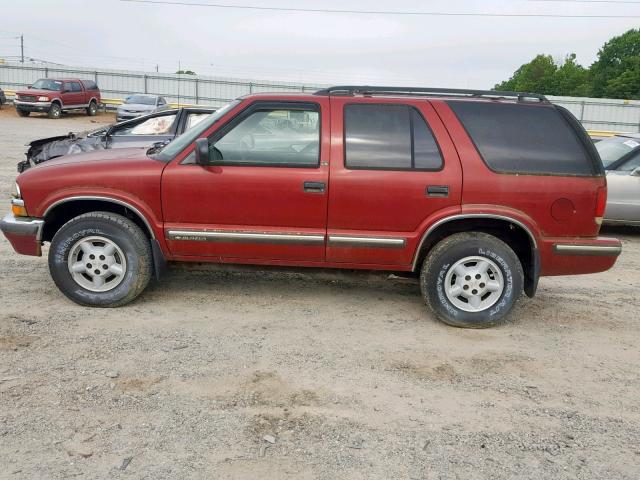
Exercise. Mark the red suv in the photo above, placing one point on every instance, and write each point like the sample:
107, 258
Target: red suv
478, 192
52, 97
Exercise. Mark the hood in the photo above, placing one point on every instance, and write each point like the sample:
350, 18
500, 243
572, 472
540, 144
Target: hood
107, 158
36, 92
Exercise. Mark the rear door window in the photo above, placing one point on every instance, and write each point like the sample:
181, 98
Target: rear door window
388, 137
515, 138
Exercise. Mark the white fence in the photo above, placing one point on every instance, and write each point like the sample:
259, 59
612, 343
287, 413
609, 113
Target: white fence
594, 113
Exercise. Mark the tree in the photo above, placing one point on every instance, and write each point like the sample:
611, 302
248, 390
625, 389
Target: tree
535, 76
615, 74
186, 72
571, 79
615, 65
627, 84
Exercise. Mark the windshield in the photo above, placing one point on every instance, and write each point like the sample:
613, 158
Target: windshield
190, 136
614, 148
141, 99
45, 84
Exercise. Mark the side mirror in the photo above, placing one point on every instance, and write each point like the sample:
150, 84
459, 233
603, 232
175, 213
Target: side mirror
202, 152
635, 172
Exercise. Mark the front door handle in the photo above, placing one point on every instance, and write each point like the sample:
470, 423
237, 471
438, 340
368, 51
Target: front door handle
314, 187
437, 191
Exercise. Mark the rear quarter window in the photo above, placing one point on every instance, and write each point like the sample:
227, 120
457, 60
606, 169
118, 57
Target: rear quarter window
90, 85
515, 138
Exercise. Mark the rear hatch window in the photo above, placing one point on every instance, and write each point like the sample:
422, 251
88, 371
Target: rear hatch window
534, 139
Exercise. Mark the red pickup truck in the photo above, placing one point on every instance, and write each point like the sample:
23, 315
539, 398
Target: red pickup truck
54, 96
479, 193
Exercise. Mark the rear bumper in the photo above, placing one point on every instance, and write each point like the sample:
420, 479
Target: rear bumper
563, 256
24, 234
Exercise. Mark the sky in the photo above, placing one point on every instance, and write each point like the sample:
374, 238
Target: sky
315, 47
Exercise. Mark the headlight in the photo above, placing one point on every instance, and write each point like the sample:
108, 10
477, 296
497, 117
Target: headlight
17, 190
43, 99
16, 97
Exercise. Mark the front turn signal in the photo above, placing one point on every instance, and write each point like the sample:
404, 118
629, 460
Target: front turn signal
18, 209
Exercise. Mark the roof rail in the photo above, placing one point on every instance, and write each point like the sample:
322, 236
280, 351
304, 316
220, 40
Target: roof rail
350, 90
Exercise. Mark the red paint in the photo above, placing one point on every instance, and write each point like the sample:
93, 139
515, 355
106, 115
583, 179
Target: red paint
24, 244
356, 203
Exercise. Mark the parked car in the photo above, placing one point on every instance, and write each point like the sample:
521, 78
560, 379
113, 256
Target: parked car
143, 131
3, 98
454, 186
139, 104
621, 159
54, 96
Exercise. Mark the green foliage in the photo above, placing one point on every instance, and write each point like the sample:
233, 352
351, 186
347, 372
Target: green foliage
615, 74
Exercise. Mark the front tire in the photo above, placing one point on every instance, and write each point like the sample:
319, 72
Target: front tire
55, 110
100, 259
471, 280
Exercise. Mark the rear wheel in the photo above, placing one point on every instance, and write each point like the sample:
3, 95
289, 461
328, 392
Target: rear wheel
471, 280
23, 113
55, 110
100, 259
92, 109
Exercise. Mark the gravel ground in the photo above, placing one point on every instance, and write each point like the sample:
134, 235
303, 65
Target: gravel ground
245, 373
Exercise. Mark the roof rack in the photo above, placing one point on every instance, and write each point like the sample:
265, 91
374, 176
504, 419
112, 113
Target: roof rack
351, 90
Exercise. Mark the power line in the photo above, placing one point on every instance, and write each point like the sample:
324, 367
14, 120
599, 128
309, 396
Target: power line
372, 12
587, 1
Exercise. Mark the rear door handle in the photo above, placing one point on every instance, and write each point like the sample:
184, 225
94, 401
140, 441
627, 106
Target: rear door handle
314, 187
437, 191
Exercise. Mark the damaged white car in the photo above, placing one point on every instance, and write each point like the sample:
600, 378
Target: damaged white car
157, 128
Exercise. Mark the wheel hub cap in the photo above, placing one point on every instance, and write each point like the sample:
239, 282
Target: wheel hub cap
474, 284
97, 264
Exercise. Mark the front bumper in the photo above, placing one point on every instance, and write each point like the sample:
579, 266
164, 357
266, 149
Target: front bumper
122, 116
32, 106
24, 233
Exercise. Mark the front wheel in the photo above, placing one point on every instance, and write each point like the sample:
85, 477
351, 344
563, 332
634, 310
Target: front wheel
55, 110
471, 280
100, 259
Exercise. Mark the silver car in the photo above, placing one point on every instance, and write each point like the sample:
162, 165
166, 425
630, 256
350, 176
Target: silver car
621, 159
140, 104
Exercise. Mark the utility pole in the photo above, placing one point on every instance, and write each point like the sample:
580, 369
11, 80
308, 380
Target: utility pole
21, 48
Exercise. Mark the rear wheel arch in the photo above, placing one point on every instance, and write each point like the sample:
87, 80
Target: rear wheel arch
513, 232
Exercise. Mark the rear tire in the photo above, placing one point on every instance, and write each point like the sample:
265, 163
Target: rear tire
23, 113
100, 259
92, 109
55, 110
471, 280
